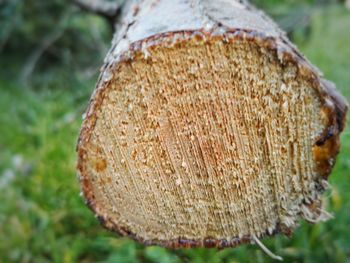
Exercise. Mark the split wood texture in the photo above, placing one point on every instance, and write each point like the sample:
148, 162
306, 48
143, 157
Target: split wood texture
207, 127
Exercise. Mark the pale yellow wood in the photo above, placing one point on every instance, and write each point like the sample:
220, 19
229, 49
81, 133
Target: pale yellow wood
206, 129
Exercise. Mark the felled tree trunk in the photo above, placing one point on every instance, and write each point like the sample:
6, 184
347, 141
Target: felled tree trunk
207, 127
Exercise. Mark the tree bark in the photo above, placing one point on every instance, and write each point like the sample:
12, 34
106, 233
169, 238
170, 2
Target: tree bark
207, 127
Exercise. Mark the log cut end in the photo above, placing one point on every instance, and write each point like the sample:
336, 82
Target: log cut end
209, 141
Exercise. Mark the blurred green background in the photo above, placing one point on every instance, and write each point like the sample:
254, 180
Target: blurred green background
50, 54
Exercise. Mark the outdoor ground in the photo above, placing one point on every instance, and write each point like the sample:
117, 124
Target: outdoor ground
43, 218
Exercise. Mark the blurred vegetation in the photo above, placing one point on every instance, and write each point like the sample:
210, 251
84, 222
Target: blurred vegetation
50, 54
41, 39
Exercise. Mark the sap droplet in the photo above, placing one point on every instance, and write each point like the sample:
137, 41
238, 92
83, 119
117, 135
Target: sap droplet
146, 53
208, 26
178, 182
107, 76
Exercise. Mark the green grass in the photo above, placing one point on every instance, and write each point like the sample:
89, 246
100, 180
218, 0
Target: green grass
43, 219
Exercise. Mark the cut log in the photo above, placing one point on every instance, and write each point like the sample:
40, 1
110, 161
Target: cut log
207, 127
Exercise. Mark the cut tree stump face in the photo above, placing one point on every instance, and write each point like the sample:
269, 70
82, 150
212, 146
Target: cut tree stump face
207, 127
212, 142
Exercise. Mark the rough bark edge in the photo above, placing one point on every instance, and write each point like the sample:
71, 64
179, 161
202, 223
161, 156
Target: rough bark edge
334, 105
